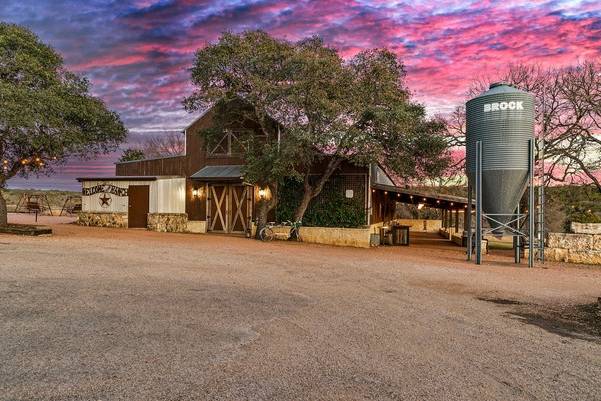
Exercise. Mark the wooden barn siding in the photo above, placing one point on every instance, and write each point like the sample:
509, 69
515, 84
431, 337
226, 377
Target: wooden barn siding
383, 207
196, 157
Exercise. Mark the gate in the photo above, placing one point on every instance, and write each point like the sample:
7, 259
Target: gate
229, 208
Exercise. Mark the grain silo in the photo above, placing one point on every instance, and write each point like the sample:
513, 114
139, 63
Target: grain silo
501, 121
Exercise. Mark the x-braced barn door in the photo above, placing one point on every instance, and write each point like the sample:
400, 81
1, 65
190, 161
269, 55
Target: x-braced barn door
229, 208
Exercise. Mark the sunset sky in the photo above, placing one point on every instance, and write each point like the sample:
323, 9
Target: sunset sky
137, 53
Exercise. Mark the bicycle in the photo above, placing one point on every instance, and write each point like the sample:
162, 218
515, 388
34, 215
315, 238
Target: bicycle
267, 233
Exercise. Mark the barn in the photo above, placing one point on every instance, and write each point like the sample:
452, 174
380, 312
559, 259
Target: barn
204, 190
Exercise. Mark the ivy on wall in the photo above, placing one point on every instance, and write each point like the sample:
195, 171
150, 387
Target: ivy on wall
331, 208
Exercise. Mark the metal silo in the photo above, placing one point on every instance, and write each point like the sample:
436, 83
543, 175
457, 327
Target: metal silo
502, 119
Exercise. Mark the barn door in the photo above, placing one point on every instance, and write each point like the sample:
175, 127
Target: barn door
240, 201
230, 208
218, 207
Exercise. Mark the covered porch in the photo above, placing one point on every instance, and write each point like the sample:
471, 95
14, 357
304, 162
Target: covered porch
450, 211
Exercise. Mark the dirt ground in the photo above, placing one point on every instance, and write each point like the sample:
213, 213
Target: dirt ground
110, 314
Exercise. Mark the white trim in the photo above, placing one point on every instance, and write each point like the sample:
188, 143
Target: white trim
199, 117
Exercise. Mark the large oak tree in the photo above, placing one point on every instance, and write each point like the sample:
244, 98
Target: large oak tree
314, 108
46, 112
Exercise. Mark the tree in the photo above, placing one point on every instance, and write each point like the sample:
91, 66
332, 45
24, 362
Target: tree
46, 112
169, 144
325, 110
567, 119
132, 154
359, 112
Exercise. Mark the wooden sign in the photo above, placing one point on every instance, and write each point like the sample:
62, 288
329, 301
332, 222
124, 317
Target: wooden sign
104, 188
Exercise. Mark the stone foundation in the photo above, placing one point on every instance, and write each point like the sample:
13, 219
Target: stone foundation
168, 222
99, 219
197, 226
354, 237
574, 248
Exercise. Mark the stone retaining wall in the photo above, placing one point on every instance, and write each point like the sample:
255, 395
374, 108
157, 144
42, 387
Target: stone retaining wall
355, 237
99, 219
168, 222
197, 226
423, 225
574, 248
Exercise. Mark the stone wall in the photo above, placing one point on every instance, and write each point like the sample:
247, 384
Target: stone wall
168, 222
574, 248
586, 228
99, 219
197, 226
354, 237
420, 224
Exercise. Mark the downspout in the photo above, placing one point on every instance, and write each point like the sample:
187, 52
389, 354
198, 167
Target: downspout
368, 210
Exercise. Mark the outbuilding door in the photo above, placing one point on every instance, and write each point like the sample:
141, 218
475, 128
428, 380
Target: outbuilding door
229, 208
138, 206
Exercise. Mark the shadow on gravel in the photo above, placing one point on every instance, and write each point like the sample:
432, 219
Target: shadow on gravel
573, 321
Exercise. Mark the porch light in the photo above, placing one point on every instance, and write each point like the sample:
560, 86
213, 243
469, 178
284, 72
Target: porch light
262, 193
195, 193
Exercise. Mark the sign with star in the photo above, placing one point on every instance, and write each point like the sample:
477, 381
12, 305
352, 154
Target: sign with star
105, 200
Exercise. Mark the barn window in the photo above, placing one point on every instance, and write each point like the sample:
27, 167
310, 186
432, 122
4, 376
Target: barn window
229, 144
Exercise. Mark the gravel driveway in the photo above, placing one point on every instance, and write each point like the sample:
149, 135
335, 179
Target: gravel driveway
108, 314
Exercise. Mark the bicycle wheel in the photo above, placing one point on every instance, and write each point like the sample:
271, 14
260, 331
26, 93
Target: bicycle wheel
295, 234
266, 234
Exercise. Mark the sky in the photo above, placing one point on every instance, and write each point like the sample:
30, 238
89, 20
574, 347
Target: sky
137, 53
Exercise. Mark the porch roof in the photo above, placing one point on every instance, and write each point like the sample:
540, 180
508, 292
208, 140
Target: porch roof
429, 199
219, 173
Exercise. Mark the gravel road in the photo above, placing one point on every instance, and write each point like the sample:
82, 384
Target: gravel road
109, 314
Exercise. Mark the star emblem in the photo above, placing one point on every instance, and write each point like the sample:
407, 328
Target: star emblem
105, 200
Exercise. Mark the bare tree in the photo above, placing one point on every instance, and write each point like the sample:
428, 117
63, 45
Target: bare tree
567, 119
169, 144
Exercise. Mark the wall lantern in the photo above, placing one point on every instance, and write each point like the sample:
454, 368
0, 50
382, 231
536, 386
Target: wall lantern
197, 193
262, 193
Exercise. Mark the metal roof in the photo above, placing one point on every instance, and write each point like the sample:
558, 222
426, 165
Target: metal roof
429, 199
219, 173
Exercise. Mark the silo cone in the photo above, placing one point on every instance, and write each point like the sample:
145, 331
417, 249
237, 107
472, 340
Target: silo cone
502, 118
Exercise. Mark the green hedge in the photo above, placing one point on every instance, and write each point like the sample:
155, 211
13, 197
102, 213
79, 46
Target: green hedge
331, 208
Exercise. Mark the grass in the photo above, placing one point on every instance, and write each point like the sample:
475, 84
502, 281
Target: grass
55, 198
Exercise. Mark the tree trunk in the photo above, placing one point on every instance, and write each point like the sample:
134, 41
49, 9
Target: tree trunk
263, 209
311, 192
3, 211
302, 207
